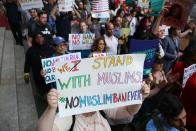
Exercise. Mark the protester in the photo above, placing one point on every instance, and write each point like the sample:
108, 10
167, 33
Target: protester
48, 36
14, 19
40, 26
171, 48
33, 58
99, 46
110, 39
172, 115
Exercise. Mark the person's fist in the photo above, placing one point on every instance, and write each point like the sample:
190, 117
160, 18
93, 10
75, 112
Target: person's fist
145, 90
26, 78
52, 98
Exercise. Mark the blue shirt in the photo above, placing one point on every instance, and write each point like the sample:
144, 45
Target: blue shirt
151, 126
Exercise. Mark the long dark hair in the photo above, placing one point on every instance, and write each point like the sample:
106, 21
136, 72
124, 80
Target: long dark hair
96, 43
179, 13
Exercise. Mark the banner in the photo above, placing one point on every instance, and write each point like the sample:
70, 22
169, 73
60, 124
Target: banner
66, 5
100, 9
99, 83
81, 41
156, 7
178, 12
48, 65
143, 3
29, 4
148, 47
188, 72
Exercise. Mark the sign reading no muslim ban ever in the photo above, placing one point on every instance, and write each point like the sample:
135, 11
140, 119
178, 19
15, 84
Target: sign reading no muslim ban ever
188, 72
29, 4
99, 83
81, 41
48, 65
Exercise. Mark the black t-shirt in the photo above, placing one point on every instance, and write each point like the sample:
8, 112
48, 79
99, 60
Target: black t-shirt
63, 25
44, 29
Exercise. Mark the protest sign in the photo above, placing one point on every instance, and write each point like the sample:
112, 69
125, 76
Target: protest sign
99, 83
148, 47
125, 31
143, 3
156, 7
188, 72
29, 4
128, 1
100, 9
178, 12
81, 41
66, 5
48, 65
95, 55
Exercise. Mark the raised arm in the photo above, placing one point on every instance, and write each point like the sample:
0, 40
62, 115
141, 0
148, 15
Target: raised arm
46, 122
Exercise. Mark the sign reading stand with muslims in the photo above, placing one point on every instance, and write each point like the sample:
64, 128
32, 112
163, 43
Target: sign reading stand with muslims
29, 4
48, 65
99, 83
81, 41
100, 9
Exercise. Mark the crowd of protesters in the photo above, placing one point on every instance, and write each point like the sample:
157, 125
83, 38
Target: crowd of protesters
46, 32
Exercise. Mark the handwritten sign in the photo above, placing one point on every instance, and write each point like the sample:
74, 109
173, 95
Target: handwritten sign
99, 83
156, 7
66, 5
29, 4
148, 47
125, 32
188, 72
80, 41
143, 3
48, 65
100, 9
95, 55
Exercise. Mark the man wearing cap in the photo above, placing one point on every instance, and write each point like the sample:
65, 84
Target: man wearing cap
60, 46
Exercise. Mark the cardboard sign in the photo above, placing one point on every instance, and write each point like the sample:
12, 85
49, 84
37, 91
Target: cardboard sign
66, 5
148, 47
143, 3
100, 9
99, 83
48, 65
29, 4
188, 72
156, 7
125, 32
81, 41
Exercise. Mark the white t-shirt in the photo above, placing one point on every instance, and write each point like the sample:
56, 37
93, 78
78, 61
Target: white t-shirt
112, 44
133, 25
96, 122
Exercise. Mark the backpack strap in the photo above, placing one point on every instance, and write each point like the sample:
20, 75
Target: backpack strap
73, 122
157, 122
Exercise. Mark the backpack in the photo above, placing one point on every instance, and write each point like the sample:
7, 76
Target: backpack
140, 125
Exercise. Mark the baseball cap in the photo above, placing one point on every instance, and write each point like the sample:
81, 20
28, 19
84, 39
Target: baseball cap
58, 40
